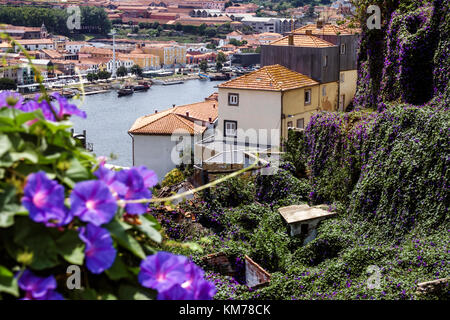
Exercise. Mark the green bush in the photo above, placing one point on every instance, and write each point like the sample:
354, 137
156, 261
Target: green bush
173, 177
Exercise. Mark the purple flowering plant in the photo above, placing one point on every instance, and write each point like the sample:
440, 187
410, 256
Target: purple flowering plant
60, 206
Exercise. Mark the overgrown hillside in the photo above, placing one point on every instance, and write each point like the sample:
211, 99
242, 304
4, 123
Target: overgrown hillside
385, 173
408, 60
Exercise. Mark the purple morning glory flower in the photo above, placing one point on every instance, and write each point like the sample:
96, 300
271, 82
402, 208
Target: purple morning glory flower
100, 253
10, 99
44, 200
194, 288
175, 292
136, 189
29, 106
109, 177
149, 176
66, 108
38, 288
175, 278
162, 270
93, 202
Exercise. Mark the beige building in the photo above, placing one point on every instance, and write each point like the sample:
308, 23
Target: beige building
169, 54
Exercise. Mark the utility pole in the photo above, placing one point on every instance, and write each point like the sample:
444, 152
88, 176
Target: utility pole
113, 33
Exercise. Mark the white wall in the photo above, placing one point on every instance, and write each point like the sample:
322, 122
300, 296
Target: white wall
155, 152
257, 110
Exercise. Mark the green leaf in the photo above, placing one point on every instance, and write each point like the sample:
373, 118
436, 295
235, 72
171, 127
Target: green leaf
146, 227
153, 220
30, 155
128, 292
34, 245
119, 233
70, 247
118, 270
8, 283
8, 206
76, 171
5, 145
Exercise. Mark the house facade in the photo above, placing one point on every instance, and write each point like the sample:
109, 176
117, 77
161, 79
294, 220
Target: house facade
326, 53
258, 108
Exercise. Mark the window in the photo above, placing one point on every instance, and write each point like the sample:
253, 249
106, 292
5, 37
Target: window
324, 91
301, 123
343, 48
308, 96
325, 61
289, 124
233, 99
342, 77
230, 128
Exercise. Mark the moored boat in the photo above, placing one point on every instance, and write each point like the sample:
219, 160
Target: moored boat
125, 91
142, 86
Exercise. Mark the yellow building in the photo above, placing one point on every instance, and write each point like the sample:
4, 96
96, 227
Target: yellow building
169, 54
144, 60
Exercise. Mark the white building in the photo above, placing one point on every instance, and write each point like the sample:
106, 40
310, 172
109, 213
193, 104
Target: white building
35, 44
163, 140
75, 46
119, 63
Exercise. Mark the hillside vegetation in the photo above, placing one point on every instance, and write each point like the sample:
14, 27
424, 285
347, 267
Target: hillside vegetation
385, 172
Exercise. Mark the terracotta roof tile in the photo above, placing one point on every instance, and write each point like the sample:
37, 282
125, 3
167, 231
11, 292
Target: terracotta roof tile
327, 29
271, 78
303, 41
168, 121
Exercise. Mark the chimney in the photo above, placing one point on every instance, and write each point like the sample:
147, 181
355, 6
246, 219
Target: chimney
187, 114
214, 105
319, 24
173, 106
210, 119
291, 39
156, 111
309, 32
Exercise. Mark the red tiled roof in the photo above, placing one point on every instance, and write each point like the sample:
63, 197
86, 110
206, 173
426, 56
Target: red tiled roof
270, 78
176, 118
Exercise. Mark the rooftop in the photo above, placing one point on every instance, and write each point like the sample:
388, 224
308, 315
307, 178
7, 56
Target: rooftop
300, 213
326, 29
271, 78
180, 117
303, 41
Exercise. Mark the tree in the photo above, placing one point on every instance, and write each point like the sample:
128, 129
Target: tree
122, 71
91, 77
104, 74
210, 32
7, 84
203, 65
219, 66
178, 26
221, 57
201, 29
136, 69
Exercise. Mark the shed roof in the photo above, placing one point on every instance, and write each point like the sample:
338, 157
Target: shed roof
301, 213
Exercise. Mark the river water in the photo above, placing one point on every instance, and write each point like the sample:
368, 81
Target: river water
109, 118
